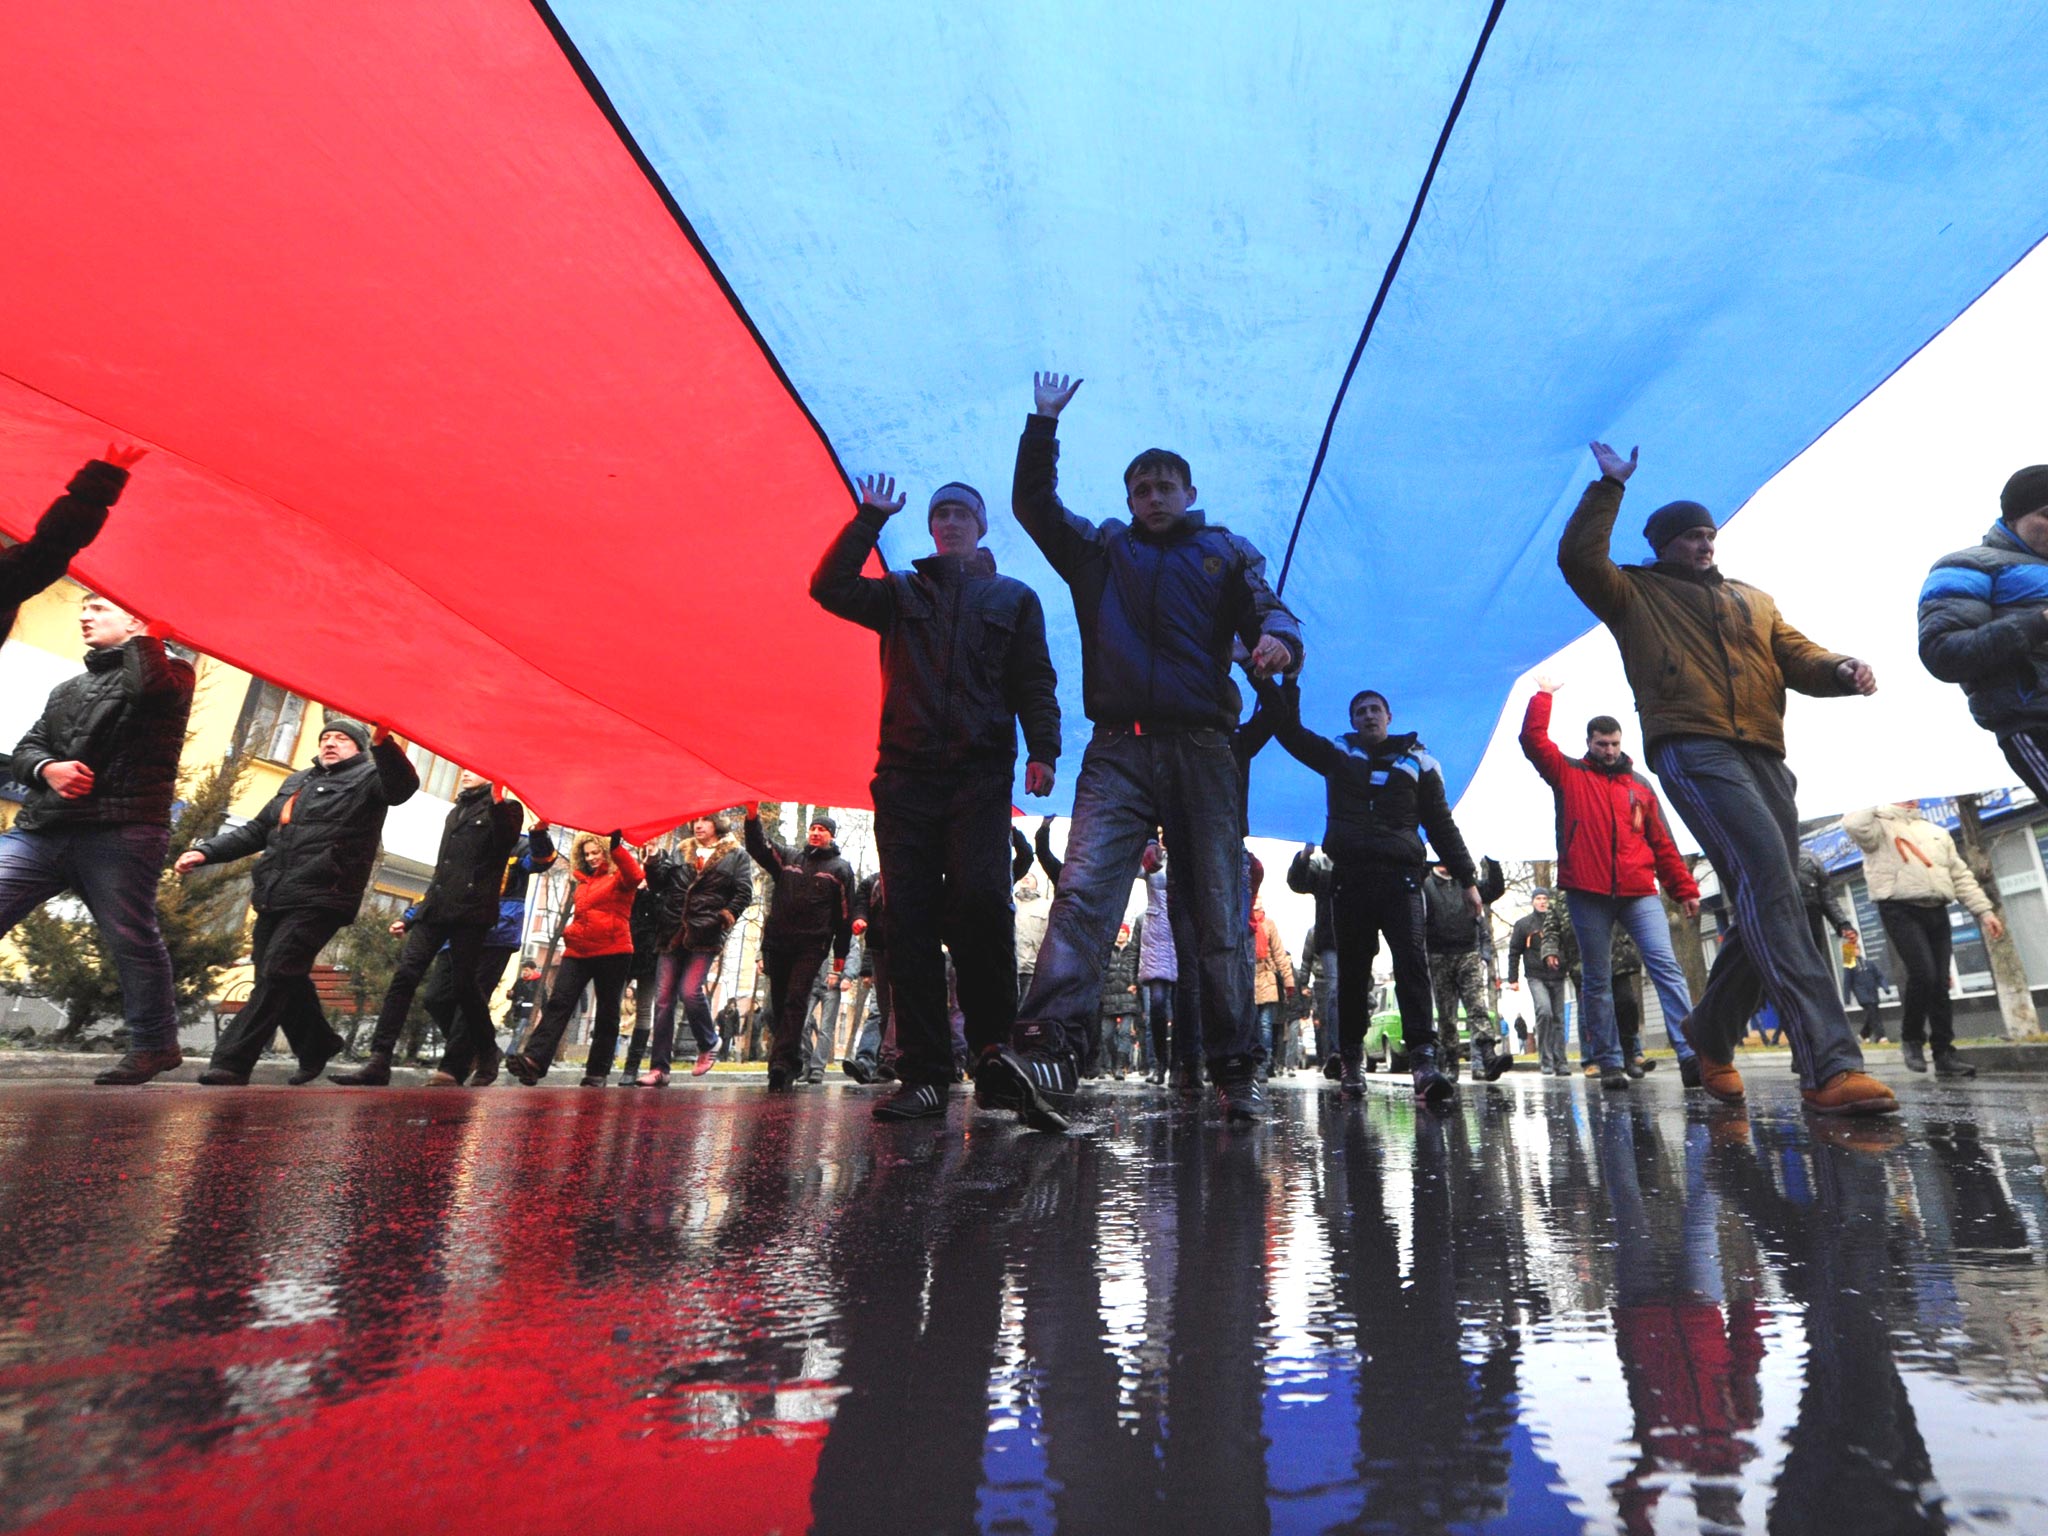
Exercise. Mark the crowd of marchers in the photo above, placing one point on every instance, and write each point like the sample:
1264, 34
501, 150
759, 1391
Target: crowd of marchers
975, 973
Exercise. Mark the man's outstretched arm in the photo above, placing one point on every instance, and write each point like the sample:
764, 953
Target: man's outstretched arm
1061, 537
837, 585
1583, 552
72, 521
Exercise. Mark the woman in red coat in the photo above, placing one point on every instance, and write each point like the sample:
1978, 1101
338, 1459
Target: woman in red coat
597, 951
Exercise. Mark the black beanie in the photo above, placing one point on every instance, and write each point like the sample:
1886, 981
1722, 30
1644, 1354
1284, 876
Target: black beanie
827, 823
1674, 518
354, 730
2025, 492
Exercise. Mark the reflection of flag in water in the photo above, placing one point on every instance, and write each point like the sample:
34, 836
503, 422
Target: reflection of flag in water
459, 426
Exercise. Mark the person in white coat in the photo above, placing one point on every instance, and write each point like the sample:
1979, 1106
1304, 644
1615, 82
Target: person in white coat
1914, 871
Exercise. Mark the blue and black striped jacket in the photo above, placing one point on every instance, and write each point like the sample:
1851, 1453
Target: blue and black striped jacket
1984, 624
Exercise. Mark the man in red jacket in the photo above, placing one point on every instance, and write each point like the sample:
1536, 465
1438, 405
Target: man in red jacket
1612, 848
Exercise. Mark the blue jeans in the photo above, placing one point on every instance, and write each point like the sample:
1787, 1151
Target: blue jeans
1593, 918
1269, 1019
114, 870
681, 973
1739, 802
1188, 783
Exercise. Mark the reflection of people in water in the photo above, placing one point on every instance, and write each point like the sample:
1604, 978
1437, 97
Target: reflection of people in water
1432, 1430
1856, 1461
1689, 1360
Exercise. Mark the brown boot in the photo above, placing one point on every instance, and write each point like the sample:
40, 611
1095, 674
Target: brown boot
1718, 1077
1851, 1093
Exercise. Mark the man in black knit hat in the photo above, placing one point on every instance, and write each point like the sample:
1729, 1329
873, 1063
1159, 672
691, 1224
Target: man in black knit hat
1984, 624
964, 665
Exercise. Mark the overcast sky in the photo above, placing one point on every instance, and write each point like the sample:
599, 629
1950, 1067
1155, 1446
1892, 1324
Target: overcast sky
1843, 538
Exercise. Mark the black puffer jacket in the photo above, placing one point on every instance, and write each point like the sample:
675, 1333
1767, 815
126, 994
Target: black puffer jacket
1119, 975
1308, 875
1159, 614
963, 654
73, 521
125, 720
469, 871
713, 894
1452, 928
1377, 796
813, 892
319, 834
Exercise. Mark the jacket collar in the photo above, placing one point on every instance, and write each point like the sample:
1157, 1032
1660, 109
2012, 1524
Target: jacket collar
1391, 747
820, 855
1710, 577
1621, 768
2003, 538
980, 562
104, 658
1192, 523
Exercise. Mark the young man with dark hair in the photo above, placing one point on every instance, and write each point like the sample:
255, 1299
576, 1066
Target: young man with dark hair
1613, 848
1710, 660
964, 665
101, 763
318, 838
1380, 788
1160, 600
1984, 624
812, 913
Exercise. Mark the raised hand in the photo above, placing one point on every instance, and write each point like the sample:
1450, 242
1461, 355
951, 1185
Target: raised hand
1612, 464
123, 455
1052, 391
879, 492
1857, 676
1270, 655
753, 810
1038, 779
1545, 683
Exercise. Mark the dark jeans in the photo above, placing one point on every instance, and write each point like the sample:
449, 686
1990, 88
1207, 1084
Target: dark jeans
792, 965
1368, 903
682, 974
646, 984
283, 948
114, 870
1159, 1018
607, 975
2027, 751
471, 1025
1921, 938
944, 843
1546, 996
1738, 800
1190, 785
459, 1052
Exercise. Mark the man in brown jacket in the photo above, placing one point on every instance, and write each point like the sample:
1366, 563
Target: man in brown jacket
1709, 660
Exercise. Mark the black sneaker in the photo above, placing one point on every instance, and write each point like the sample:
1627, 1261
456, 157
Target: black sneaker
852, 1069
1614, 1077
1431, 1086
1948, 1062
1689, 1071
782, 1079
1243, 1100
1634, 1069
1333, 1067
375, 1072
1187, 1080
1351, 1073
139, 1067
913, 1101
1911, 1054
1007, 1079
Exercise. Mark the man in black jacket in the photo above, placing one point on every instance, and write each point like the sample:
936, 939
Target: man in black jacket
102, 766
1380, 788
318, 838
71, 522
1546, 984
812, 912
1162, 601
964, 661
457, 914
1311, 874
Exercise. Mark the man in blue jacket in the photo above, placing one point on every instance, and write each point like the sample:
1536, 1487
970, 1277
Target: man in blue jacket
1161, 600
1984, 624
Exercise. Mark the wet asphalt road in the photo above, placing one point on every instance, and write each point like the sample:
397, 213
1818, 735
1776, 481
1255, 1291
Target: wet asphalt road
705, 1310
